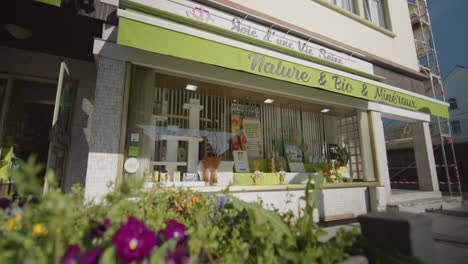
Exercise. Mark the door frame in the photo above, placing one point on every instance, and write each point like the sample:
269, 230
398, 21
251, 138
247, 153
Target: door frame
11, 77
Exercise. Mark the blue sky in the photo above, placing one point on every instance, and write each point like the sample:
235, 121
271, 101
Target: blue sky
450, 28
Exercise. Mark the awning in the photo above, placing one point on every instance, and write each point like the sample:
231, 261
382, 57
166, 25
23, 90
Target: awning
162, 40
56, 3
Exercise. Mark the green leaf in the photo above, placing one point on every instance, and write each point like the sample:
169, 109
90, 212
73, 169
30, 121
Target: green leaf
281, 230
108, 257
159, 253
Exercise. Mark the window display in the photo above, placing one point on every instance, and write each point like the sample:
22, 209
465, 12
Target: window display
190, 133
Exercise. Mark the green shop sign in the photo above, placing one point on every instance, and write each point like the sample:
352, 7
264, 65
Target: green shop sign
164, 41
56, 3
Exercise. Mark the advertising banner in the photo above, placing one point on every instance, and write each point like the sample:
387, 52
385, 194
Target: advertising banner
165, 41
247, 131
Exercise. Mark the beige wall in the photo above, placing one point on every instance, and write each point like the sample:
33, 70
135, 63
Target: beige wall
317, 18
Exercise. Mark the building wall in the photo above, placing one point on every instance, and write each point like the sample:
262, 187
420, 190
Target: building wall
42, 65
320, 19
456, 86
104, 161
349, 202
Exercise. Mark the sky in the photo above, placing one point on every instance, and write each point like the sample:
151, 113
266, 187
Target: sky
450, 28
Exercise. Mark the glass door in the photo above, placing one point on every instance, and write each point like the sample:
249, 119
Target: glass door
60, 131
5, 153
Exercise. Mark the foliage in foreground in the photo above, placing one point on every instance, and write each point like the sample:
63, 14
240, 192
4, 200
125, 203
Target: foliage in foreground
157, 226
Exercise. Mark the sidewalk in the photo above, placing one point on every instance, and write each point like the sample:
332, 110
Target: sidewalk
449, 230
450, 233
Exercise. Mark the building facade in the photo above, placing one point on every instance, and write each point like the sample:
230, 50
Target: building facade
246, 94
455, 83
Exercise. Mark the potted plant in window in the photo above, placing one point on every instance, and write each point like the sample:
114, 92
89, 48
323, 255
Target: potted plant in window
342, 162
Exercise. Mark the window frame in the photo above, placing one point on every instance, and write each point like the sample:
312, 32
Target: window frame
455, 102
355, 6
359, 16
385, 13
459, 124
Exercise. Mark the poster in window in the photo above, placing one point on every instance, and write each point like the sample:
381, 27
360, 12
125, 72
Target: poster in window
294, 158
246, 129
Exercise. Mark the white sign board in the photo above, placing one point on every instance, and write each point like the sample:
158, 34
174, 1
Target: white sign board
296, 167
255, 30
240, 161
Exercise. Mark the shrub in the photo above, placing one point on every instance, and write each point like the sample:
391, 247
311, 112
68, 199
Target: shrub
158, 226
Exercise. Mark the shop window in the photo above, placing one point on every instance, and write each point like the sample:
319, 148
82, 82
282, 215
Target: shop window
348, 5
375, 12
456, 126
348, 135
181, 128
453, 103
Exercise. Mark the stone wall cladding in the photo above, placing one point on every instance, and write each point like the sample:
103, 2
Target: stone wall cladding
332, 202
105, 128
402, 81
41, 65
341, 201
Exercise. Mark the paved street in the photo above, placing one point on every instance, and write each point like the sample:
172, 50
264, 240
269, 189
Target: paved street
450, 232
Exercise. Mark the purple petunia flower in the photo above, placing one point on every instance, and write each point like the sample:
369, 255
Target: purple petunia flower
107, 223
243, 215
4, 203
71, 256
100, 229
174, 229
91, 256
178, 256
222, 201
133, 240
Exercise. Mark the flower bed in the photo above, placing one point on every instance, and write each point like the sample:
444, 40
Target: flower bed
162, 226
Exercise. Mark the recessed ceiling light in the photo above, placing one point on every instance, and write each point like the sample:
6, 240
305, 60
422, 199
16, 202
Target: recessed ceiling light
191, 87
325, 110
268, 101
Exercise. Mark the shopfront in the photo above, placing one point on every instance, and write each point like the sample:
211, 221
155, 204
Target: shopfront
180, 127
208, 107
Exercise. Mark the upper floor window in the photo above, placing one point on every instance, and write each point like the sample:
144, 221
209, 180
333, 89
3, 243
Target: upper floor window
456, 127
453, 103
348, 5
374, 11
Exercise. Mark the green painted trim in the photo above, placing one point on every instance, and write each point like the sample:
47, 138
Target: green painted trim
350, 184
143, 9
356, 18
263, 188
164, 41
56, 3
375, 155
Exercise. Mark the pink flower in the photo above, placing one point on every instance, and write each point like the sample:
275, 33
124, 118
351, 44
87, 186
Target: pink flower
133, 240
174, 229
73, 256
178, 256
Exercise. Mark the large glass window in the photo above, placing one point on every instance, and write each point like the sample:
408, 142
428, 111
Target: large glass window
374, 11
183, 130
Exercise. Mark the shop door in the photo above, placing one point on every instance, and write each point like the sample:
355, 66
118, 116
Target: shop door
5, 155
60, 132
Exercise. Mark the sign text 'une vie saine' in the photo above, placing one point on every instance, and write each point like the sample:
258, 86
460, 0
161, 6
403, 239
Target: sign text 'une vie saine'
248, 27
